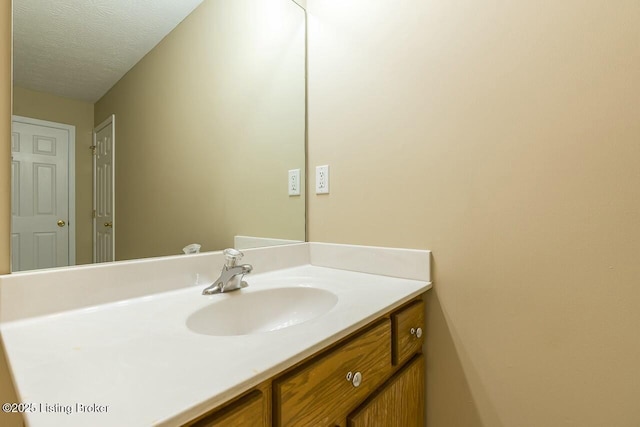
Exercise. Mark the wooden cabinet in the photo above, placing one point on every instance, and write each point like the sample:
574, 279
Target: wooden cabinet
375, 377
400, 402
323, 391
251, 409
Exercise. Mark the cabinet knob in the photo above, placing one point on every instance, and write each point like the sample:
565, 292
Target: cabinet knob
349, 376
416, 332
357, 379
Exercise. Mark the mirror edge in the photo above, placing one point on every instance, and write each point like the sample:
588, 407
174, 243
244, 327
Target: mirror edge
6, 66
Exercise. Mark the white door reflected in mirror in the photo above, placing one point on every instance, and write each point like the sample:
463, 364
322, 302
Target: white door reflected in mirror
42, 194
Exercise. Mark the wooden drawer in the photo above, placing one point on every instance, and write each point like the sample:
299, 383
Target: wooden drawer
249, 410
405, 344
319, 394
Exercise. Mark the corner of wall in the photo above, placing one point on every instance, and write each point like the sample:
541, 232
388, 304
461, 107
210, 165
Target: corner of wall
7, 393
5, 135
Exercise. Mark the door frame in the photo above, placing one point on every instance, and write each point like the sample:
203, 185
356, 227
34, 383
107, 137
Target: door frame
71, 174
111, 119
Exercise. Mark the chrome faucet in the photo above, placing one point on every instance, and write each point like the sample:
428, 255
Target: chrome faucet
231, 275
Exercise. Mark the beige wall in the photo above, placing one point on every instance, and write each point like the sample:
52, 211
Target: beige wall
207, 126
45, 106
504, 136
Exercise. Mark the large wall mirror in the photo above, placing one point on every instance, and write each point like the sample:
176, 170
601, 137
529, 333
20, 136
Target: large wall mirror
142, 127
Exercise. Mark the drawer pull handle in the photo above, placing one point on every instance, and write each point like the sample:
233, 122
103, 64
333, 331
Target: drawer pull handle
349, 376
416, 332
357, 379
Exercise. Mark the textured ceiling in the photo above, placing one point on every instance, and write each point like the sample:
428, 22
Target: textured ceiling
80, 48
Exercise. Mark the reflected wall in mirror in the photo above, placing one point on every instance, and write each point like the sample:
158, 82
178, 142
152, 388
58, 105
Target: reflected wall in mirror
207, 124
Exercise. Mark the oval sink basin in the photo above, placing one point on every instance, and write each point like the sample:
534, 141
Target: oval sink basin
261, 311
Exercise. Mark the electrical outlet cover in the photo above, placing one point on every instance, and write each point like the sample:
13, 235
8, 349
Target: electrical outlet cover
294, 182
322, 179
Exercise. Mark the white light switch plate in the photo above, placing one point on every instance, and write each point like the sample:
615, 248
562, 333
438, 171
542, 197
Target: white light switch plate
322, 179
294, 182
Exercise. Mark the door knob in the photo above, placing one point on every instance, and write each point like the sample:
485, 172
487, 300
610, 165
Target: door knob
61, 223
108, 224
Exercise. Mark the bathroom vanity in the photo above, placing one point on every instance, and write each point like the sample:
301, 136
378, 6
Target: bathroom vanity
323, 335
374, 377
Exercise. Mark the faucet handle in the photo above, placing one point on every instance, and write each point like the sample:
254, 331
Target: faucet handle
232, 255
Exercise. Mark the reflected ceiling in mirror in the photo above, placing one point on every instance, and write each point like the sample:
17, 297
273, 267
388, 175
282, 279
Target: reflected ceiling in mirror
208, 101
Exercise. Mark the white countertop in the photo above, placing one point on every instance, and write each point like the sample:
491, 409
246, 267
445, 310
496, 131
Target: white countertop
138, 359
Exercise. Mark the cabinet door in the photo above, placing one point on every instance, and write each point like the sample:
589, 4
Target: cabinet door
399, 403
320, 393
248, 411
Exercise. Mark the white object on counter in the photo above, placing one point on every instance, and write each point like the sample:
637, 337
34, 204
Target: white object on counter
193, 248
